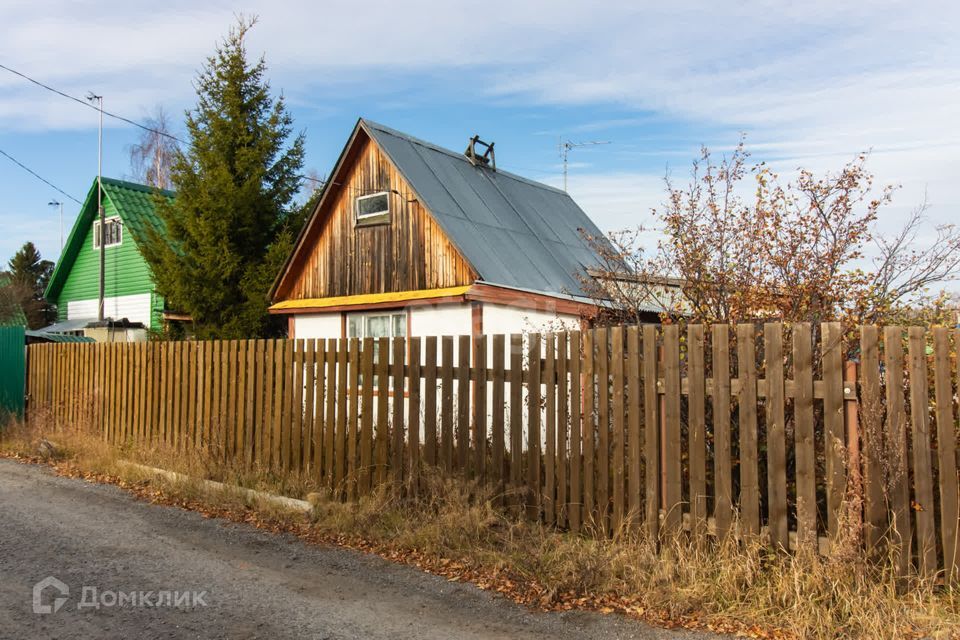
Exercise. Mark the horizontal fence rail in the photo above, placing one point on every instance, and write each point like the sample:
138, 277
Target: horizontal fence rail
795, 434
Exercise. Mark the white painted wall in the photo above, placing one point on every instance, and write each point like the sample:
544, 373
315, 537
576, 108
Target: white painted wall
441, 320
135, 308
450, 320
499, 318
311, 326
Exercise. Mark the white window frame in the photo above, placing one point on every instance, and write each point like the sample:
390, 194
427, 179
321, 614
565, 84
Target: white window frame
364, 319
364, 216
96, 232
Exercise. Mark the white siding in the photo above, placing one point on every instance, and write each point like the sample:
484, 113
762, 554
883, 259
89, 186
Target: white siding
134, 308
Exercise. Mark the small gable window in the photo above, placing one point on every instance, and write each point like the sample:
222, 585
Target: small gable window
373, 208
113, 232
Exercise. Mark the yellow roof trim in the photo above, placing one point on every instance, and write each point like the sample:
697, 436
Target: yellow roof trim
369, 298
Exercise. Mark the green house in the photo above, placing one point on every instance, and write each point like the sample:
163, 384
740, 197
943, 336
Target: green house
129, 291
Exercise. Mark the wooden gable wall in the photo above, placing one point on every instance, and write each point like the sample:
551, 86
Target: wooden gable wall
339, 258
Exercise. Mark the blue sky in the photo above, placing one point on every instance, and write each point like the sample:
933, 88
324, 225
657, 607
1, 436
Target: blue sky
811, 84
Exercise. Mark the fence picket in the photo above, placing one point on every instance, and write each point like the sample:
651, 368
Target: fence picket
366, 416
575, 507
696, 428
249, 403
383, 408
672, 489
479, 406
296, 407
776, 435
833, 419
446, 403
946, 450
806, 456
549, 429
922, 471
413, 419
602, 442
430, 401
651, 442
498, 406
871, 415
533, 427
516, 407
747, 400
353, 418
330, 417
618, 459
340, 431
563, 424
280, 364
462, 425
317, 399
398, 428
896, 445
588, 431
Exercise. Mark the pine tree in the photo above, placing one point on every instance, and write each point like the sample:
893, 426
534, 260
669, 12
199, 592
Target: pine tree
235, 184
26, 281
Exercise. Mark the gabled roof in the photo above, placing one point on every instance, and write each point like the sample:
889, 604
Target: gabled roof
513, 231
134, 204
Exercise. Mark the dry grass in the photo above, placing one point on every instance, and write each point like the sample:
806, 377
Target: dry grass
454, 529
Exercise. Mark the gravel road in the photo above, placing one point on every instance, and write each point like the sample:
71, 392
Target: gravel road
110, 549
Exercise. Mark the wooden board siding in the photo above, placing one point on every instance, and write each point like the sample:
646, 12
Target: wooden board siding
342, 259
126, 273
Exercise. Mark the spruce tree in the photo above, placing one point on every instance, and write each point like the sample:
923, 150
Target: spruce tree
235, 182
27, 279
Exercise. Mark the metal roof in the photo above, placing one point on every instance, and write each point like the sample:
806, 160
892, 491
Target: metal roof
513, 231
43, 336
75, 324
135, 204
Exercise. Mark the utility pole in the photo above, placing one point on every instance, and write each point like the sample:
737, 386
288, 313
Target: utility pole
565, 146
91, 97
57, 203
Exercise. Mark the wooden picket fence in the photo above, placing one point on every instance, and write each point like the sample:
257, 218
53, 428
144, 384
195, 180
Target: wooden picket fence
748, 430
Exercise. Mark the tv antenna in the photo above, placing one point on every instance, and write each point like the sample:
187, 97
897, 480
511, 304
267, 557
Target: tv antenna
566, 146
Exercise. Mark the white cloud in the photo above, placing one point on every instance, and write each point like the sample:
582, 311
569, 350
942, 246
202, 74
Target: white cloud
812, 83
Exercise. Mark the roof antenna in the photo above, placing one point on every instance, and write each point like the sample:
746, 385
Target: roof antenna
488, 159
566, 146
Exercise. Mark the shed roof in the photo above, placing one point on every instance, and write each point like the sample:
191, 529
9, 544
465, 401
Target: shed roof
136, 207
512, 230
45, 336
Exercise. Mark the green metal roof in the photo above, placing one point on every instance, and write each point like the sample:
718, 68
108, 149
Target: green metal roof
135, 205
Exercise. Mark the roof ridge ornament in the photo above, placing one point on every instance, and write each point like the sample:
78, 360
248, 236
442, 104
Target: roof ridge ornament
487, 159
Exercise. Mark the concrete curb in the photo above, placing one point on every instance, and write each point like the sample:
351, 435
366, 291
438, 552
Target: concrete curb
211, 485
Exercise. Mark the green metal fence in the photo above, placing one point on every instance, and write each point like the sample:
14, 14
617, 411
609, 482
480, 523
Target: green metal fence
12, 371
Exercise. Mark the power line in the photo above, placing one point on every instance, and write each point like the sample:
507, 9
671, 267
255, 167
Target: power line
87, 104
38, 176
115, 116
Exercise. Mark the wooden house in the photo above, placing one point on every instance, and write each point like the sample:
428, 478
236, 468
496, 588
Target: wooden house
129, 291
410, 239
